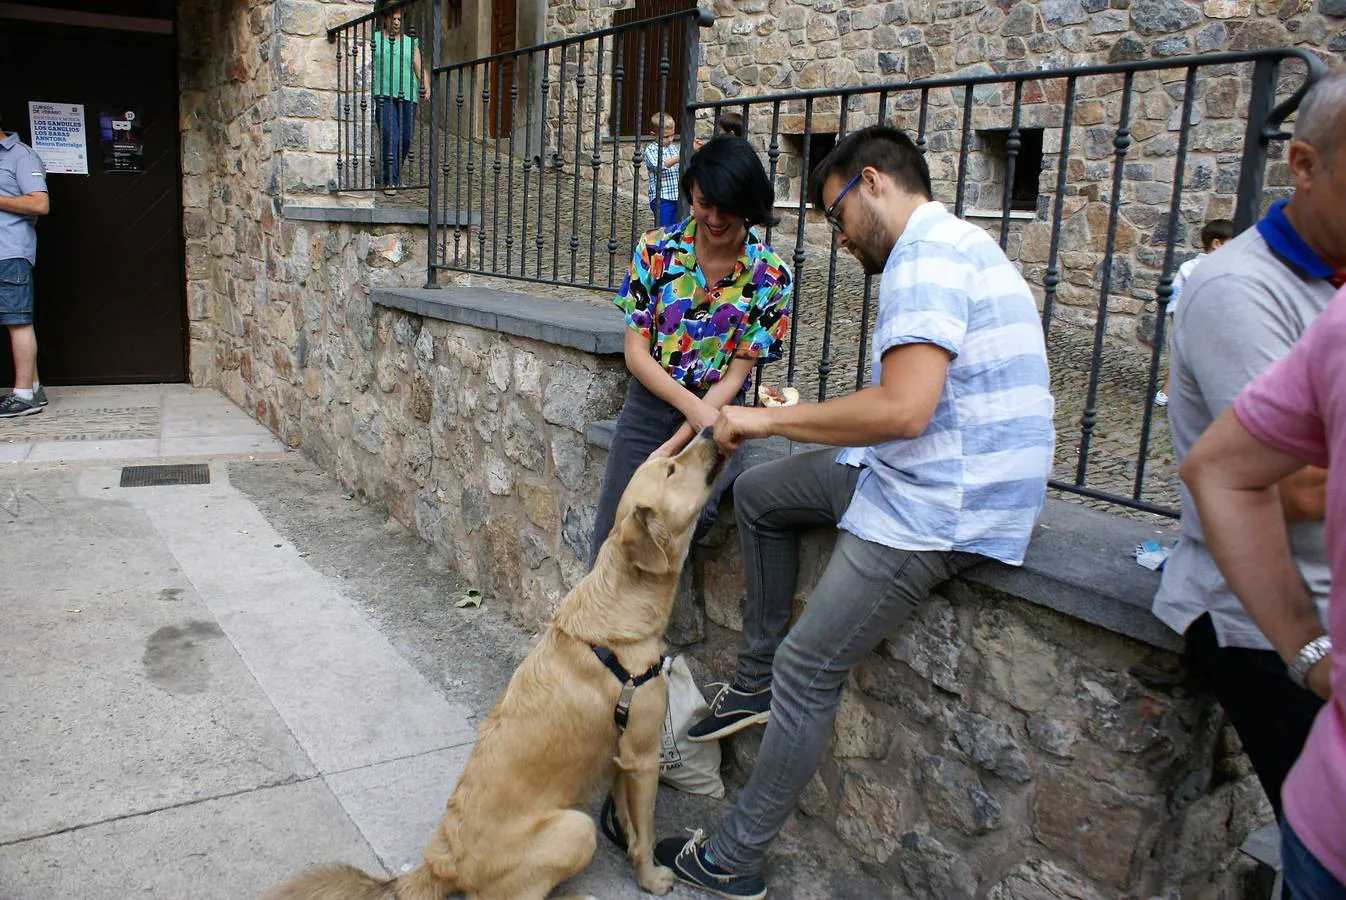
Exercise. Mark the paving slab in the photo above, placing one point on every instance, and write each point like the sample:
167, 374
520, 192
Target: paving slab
118, 692
125, 422
399, 804
317, 658
228, 848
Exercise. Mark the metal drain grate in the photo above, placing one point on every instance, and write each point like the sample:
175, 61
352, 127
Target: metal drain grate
162, 476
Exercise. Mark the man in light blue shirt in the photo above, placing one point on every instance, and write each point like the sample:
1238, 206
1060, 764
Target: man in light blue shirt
23, 197
950, 450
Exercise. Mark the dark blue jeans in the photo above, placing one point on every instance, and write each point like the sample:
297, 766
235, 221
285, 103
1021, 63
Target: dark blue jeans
397, 119
644, 424
1305, 877
665, 212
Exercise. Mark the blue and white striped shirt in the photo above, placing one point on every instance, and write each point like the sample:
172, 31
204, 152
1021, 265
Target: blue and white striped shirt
976, 479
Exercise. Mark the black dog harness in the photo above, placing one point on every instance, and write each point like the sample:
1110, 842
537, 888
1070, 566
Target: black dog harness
621, 715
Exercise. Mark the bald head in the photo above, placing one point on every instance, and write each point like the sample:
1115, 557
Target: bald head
1321, 119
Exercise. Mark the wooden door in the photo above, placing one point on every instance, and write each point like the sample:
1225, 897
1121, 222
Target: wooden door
110, 303
504, 37
641, 83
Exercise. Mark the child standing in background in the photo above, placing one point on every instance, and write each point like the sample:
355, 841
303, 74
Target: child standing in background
661, 170
730, 123
1213, 235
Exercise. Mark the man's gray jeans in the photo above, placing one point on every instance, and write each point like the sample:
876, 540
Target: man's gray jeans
866, 591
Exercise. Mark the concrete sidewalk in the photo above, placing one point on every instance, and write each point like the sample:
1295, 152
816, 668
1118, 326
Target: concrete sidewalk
205, 689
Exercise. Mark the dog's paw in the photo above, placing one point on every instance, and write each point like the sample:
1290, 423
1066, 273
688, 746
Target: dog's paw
660, 880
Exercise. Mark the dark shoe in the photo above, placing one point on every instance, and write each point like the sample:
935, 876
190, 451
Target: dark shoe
687, 859
40, 396
12, 406
612, 828
732, 710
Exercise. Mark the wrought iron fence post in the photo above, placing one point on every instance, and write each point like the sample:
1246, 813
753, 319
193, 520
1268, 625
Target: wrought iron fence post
432, 204
1255, 139
703, 19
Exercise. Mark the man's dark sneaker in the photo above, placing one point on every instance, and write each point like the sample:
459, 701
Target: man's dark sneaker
40, 396
13, 406
688, 861
732, 710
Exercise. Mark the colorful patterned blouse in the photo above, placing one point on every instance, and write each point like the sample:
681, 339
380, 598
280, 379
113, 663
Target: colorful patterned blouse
694, 331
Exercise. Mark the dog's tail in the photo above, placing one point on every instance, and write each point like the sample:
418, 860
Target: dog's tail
350, 883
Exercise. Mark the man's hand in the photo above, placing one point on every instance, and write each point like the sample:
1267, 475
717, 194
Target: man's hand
737, 424
1319, 679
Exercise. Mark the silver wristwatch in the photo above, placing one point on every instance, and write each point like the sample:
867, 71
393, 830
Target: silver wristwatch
1308, 656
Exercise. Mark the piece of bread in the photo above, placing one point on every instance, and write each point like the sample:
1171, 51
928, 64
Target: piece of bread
787, 396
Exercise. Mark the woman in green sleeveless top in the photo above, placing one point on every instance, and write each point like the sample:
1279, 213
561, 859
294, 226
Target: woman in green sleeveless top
398, 83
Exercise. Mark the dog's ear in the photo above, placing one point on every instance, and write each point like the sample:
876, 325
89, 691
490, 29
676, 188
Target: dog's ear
645, 540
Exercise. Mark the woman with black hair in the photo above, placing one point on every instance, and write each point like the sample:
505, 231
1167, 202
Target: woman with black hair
705, 299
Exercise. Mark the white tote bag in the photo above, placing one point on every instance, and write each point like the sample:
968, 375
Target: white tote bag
694, 768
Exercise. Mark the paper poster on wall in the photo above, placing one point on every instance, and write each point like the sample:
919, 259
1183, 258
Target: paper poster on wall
119, 133
58, 137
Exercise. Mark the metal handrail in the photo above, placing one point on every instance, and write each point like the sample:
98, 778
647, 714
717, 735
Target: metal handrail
704, 19
366, 17
1316, 68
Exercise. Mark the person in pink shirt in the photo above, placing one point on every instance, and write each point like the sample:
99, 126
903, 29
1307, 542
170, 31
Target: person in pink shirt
1293, 414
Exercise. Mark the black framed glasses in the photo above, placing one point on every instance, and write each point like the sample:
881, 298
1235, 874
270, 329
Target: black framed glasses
832, 216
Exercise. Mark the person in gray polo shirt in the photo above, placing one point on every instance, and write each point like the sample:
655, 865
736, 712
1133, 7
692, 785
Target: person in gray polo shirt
1243, 308
23, 197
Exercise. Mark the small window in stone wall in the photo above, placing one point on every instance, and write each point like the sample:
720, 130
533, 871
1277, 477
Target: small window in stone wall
1027, 169
792, 145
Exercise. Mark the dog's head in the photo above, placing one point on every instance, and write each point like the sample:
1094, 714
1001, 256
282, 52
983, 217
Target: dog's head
660, 507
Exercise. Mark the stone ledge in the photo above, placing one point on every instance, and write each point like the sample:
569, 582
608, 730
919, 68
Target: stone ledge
592, 329
1078, 564
374, 215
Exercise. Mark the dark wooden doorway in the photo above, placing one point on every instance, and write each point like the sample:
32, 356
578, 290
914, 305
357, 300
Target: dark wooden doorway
504, 37
110, 279
642, 85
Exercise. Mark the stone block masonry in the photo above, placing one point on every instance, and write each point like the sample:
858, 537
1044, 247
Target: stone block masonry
992, 745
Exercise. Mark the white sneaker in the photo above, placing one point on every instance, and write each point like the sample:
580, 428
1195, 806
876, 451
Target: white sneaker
1160, 398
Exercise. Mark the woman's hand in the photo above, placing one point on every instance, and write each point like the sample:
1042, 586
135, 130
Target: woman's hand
702, 415
673, 446
425, 89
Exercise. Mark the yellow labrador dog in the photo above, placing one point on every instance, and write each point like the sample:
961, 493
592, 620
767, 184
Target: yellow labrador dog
515, 826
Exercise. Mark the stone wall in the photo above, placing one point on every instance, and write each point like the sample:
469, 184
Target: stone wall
258, 89
991, 744
991, 747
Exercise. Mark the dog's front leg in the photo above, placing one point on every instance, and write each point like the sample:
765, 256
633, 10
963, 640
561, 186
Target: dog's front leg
637, 783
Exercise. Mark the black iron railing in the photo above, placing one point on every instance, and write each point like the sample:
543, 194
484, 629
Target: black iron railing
534, 148
951, 119
1095, 180
383, 114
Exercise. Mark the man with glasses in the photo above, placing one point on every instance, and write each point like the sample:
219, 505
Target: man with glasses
949, 450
